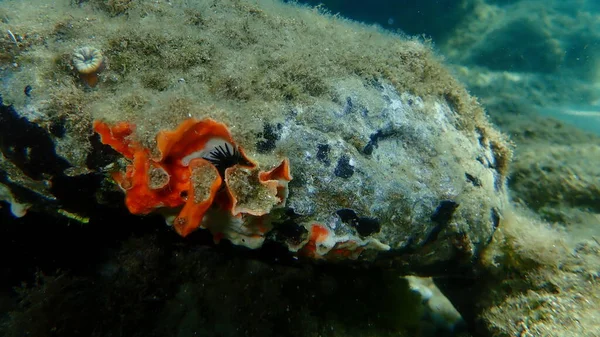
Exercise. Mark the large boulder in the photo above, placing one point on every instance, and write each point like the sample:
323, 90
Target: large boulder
389, 157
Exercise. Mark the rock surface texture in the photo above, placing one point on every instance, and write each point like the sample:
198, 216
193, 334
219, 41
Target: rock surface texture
393, 172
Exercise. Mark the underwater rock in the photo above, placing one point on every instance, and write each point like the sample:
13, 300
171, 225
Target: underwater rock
202, 171
389, 157
560, 183
413, 183
531, 262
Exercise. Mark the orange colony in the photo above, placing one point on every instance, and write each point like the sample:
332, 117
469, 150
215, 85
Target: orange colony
202, 176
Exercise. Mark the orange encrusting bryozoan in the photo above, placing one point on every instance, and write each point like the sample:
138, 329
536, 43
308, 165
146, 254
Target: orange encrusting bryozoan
181, 177
200, 197
117, 136
280, 172
190, 136
318, 234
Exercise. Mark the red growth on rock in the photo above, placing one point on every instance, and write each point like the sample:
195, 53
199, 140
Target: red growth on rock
199, 168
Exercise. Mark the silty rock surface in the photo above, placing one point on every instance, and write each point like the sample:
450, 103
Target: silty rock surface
392, 173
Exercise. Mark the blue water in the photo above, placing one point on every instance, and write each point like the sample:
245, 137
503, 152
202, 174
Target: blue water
554, 39
584, 117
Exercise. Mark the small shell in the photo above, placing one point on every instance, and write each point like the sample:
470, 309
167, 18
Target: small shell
88, 60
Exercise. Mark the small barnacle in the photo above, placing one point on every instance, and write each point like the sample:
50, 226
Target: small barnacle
88, 61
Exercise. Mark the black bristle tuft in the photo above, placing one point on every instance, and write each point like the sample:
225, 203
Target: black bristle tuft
224, 156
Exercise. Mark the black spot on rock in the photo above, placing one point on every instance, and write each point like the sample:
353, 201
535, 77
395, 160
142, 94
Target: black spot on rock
270, 135
368, 149
375, 137
495, 218
347, 215
27, 90
442, 216
473, 180
344, 169
323, 154
291, 214
364, 226
443, 213
373, 142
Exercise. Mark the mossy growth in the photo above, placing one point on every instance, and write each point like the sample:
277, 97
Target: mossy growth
523, 243
113, 7
538, 281
248, 58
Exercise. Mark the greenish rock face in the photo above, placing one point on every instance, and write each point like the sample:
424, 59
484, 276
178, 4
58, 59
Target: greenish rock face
392, 161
